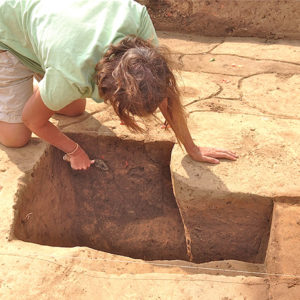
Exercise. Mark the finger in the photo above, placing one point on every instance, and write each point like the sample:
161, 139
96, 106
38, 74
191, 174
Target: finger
232, 154
226, 151
224, 155
210, 160
86, 166
78, 168
89, 165
92, 161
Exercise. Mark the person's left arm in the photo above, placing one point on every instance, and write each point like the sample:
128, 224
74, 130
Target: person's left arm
204, 154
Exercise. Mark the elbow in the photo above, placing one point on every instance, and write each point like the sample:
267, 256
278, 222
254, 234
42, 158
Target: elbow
35, 114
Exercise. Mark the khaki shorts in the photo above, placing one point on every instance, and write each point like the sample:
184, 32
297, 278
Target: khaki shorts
16, 87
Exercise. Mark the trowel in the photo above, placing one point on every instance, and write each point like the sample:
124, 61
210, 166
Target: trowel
99, 163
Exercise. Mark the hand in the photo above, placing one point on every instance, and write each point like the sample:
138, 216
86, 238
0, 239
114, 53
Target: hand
210, 155
79, 160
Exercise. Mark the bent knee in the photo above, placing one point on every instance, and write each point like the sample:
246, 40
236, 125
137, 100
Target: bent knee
15, 143
14, 135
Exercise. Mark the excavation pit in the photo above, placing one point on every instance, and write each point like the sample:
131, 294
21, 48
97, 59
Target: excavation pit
128, 210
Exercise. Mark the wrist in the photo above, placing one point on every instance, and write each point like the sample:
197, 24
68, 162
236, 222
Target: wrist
193, 149
74, 151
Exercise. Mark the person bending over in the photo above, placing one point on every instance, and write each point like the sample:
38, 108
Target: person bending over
103, 49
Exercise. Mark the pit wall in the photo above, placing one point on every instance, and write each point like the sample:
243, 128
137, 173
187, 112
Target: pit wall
270, 19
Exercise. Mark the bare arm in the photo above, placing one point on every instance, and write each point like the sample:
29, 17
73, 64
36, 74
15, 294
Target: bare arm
36, 117
204, 154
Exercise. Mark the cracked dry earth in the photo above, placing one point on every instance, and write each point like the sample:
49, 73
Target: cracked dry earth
230, 231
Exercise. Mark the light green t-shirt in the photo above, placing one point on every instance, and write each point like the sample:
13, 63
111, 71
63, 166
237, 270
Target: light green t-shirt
64, 39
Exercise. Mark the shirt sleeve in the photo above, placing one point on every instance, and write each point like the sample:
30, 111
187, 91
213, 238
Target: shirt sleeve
57, 91
146, 29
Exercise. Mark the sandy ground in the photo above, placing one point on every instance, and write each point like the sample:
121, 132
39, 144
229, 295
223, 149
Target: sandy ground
240, 93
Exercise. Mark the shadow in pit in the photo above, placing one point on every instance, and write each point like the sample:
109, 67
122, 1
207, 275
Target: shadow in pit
220, 224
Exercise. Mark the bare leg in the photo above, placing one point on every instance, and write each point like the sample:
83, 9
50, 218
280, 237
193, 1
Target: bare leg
16, 88
14, 134
74, 109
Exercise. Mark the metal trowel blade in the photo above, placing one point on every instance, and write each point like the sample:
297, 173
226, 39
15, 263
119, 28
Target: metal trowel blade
100, 164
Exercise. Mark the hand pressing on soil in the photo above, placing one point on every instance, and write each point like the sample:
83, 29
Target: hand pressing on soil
210, 155
180, 128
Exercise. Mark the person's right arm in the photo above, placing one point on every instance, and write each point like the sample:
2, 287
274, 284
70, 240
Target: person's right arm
36, 117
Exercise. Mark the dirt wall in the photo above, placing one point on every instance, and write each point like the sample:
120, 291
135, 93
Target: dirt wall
269, 19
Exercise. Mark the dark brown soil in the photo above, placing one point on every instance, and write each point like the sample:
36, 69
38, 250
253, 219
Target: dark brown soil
235, 225
128, 210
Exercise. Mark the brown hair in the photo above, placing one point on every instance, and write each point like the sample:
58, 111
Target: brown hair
135, 77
